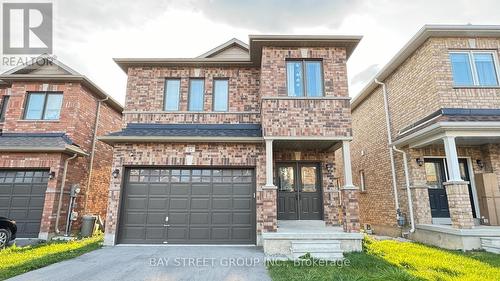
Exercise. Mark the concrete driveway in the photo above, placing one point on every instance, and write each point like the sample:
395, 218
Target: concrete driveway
159, 263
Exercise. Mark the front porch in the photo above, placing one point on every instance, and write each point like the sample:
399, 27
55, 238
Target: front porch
454, 171
313, 213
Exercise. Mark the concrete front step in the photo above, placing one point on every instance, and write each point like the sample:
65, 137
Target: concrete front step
320, 249
491, 244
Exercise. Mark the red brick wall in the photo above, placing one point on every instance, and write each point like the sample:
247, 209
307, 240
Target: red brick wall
77, 120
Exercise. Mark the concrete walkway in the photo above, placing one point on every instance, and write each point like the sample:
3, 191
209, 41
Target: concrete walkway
158, 263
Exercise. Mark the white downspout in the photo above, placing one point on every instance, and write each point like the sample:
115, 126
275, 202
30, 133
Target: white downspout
92, 152
61, 191
408, 191
393, 169
391, 153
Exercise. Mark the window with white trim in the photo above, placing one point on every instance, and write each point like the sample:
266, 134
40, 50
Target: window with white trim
474, 68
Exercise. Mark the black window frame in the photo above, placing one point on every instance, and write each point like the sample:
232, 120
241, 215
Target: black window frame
46, 95
165, 94
213, 93
189, 95
304, 80
3, 107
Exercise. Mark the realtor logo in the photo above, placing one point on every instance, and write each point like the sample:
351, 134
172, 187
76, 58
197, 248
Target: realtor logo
27, 28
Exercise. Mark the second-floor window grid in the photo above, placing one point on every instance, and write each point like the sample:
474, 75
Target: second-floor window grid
304, 78
196, 94
474, 68
43, 106
172, 94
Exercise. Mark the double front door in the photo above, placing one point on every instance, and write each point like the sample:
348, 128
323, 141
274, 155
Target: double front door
299, 191
437, 174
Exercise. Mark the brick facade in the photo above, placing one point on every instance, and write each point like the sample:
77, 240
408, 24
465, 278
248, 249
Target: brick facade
419, 86
257, 95
77, 121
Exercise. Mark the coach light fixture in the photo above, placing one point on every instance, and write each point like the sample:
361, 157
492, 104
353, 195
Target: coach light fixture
116, 173
420, 161
480, 163
52, 175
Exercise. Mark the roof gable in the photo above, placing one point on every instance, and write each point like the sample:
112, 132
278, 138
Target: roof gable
43, 65
232, 49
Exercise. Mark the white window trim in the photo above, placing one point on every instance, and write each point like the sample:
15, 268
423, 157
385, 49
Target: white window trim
472, 65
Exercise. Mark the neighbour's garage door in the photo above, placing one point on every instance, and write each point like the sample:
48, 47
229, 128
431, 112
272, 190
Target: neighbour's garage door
188, 206
22, 194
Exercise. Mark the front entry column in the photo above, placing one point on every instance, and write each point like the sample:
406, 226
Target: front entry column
268, 195
349, 193
457, 190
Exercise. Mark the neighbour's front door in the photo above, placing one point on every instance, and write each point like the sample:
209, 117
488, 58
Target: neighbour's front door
436, 175
299, 191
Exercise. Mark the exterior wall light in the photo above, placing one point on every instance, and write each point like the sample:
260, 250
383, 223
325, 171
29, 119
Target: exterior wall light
420, 161
480, 163
116, 173
52, 175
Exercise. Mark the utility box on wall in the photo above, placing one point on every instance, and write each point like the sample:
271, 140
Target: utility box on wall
488, 193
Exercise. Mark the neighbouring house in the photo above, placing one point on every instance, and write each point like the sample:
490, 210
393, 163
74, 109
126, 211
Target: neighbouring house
237, 146
50, 116
437, 103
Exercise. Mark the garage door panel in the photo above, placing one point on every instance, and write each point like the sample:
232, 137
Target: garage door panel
202, 206
199, 218
137, 203
179, 189
222, 203
179, 233
177, 218
160, 189
37, 202
199, 233
200, 203
159, 204
179, 203
221, 233
20, 202
155, 218
242, 218
221, 218
242, 203
5, 189
137, 189
222, 189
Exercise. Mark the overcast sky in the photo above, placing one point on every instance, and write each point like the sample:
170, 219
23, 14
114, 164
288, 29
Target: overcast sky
89, 33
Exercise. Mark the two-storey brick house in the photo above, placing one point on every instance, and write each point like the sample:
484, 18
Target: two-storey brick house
436, 103
49, 119
234, 144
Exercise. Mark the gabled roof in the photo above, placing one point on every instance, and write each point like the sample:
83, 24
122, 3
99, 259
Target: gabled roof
48, 68
214, 57
239, 48
426, 32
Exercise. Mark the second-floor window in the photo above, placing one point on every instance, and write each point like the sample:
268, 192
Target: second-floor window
43, 106
196, 94
3, 107
172, 94
474, 68
221, 95
304, 78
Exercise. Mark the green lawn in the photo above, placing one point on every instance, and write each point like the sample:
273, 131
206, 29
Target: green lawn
393, 260
18, 260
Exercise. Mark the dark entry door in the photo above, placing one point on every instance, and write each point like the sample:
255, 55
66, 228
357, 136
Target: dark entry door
436, 176
299, 191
